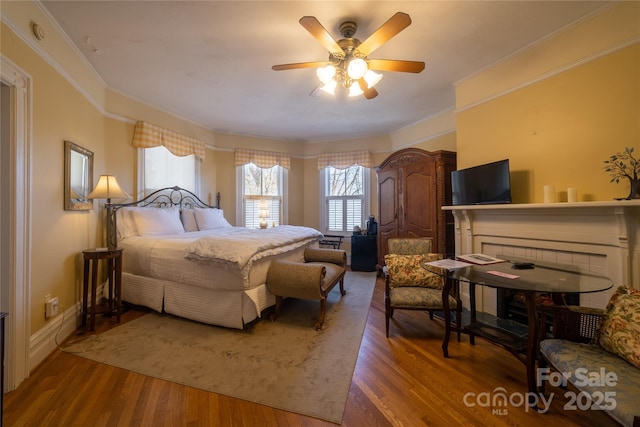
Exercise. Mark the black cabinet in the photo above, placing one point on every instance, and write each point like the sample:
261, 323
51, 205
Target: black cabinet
364, 252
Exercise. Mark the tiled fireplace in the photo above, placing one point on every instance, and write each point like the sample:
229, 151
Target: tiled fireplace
601, 237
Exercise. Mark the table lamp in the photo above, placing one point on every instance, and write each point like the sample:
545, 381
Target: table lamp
108, 188
264, 214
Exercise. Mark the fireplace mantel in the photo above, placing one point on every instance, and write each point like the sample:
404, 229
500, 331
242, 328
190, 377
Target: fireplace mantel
599, 236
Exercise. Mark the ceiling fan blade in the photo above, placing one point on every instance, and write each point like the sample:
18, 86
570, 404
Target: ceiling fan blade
311, 24
297, 65
368, 92
396, 65
393, 26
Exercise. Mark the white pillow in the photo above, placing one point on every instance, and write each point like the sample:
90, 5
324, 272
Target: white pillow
210, 218
188, 217
150, 221
125, 224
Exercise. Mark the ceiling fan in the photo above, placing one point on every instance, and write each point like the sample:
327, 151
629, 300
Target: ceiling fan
348, 62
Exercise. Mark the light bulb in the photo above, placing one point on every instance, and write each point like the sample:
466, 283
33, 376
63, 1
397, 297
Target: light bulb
372, 78
326, 73
357, 68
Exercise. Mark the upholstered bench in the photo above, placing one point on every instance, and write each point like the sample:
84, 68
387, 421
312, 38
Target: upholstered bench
599, 352
313, 279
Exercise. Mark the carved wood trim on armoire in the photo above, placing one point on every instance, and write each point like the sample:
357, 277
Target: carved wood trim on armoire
413, 185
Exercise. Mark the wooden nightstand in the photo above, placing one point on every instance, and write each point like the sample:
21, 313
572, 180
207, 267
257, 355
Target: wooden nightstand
114, 279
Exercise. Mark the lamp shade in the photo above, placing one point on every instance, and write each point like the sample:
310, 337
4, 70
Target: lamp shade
326, 73
357, 68
329, 87
372, 78
107, 188
354, 90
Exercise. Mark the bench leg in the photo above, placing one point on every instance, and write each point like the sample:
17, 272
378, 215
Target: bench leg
342, 291
276, 313
323, 309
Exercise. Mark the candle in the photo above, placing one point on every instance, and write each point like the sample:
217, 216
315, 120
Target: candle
549, 194
572, 194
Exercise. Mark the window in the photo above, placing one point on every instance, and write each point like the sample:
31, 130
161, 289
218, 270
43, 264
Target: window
164, 169
262, 195
345, 198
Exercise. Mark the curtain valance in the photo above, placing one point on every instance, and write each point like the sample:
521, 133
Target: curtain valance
262, 159
345, 159
146, 135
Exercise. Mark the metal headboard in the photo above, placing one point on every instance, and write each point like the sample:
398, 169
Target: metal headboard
162, 198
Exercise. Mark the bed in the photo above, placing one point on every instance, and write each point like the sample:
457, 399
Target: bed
182, 257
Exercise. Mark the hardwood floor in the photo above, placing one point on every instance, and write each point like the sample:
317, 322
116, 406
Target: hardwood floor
400, 381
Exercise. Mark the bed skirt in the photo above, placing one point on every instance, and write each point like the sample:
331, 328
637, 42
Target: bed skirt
232, 309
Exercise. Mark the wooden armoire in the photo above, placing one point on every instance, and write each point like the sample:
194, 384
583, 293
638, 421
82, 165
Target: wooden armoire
413, 185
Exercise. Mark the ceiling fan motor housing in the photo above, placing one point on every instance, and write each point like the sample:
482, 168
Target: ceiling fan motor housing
348, 29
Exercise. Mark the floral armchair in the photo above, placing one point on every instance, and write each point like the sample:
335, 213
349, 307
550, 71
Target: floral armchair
408, 285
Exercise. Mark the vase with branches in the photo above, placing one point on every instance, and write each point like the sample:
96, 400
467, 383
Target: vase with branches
625, 165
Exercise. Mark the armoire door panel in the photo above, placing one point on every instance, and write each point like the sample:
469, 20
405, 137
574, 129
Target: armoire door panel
420, 204
388, 208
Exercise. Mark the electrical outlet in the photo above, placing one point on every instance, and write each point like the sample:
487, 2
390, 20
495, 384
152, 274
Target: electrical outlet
51, 307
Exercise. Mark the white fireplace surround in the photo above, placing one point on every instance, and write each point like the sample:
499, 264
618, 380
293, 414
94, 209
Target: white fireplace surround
598, 236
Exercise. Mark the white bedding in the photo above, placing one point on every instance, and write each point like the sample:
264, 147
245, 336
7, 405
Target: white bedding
221, 258
239, 247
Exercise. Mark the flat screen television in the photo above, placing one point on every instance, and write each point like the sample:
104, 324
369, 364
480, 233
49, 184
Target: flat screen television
482, 185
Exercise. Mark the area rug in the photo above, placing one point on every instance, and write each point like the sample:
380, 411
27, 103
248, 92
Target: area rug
285, 364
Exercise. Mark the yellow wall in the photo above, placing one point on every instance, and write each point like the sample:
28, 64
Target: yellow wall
580, 116
59, 113
560, 130
558, 109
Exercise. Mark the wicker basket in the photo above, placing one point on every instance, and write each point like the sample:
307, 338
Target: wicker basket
579, 324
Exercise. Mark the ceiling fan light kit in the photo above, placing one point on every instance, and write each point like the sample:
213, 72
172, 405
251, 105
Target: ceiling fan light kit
348, 63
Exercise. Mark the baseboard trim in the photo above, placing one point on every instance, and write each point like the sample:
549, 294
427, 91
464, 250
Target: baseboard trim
43, 342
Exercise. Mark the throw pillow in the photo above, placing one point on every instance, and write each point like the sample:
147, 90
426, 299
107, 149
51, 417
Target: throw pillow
407, 270
188, 217
208, 219
126, 225
151, 221
620, 330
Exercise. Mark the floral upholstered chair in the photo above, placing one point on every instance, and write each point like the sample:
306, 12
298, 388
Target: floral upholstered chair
408, 285
410, 245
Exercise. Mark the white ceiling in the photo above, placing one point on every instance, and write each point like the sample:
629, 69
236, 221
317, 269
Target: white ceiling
210, 61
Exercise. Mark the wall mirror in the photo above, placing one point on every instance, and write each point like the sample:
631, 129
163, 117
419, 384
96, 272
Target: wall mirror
78, 177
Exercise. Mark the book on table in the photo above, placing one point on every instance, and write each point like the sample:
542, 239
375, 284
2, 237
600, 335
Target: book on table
480, 259
448, 264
